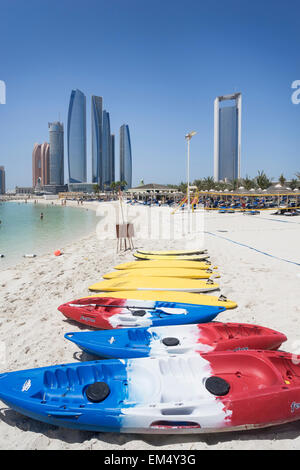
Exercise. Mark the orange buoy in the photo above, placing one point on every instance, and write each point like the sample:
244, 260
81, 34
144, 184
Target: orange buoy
57, 253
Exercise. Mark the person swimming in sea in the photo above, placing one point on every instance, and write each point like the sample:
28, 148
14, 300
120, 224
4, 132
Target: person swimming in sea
42, 215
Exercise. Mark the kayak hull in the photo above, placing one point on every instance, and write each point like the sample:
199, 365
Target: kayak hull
172, 252
111, 313
214, 392
162, 272
199, 257
155, 284
178, 339
169, 296
171, 263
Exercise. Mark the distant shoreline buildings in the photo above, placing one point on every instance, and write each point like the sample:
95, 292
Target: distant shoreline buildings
48, 158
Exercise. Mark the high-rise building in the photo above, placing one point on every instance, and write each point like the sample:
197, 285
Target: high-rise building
112, 157
96, 139
2, 180
45, 163
36, 164
106, 171
77, 137
40, 164
56, 153
227, 138
125, 156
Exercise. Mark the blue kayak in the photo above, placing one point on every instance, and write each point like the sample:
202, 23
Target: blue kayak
143, 342
176, 339
188, 393
146, 395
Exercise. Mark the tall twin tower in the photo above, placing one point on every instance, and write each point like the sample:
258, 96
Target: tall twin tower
103, 144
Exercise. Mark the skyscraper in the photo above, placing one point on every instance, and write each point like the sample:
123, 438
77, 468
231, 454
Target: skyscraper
125, 156
77, 137
36, 164
96, 139
40, 164
45, 163
56, 139
112, 158
2, 180
227, 138
106, 152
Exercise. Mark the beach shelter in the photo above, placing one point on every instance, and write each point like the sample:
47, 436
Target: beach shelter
279, 191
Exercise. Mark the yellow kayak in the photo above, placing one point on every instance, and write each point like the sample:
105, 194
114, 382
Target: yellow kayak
171, 263
171, 252
201, 257
155, 283
163, 272
168, 296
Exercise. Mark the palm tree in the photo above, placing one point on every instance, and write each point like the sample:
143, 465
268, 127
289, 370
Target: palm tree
262, 180
182, 187
282, 179
248, 183
198, 183
117, 185
96, 188
113, 186
209, 183
123, 185
294, 183
220, 186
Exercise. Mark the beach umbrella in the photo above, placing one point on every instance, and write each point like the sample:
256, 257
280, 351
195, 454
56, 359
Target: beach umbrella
278, 189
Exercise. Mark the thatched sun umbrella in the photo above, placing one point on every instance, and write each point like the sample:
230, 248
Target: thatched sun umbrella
280, 191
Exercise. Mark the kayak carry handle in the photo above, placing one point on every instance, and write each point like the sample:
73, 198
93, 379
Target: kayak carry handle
64, 414
175, 425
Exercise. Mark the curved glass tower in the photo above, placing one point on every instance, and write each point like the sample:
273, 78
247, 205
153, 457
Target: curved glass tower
125, 156
96, 139
56, 153
77, 137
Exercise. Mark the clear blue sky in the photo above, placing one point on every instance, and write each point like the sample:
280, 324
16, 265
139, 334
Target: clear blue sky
159, 65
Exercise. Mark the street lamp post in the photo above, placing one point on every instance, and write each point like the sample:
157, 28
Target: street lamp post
188, 138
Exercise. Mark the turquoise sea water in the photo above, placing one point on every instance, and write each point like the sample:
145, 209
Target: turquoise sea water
22, 231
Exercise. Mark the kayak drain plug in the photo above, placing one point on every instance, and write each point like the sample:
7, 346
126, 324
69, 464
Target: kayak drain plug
97, 392
138, 313
170, 341
217, 385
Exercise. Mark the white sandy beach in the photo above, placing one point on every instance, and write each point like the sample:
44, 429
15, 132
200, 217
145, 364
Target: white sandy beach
266, 289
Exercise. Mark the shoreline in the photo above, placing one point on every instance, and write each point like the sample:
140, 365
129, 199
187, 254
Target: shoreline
45, 203
32, 328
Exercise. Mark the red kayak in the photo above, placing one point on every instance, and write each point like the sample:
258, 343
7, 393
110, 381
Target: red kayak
188, 393
111, 312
